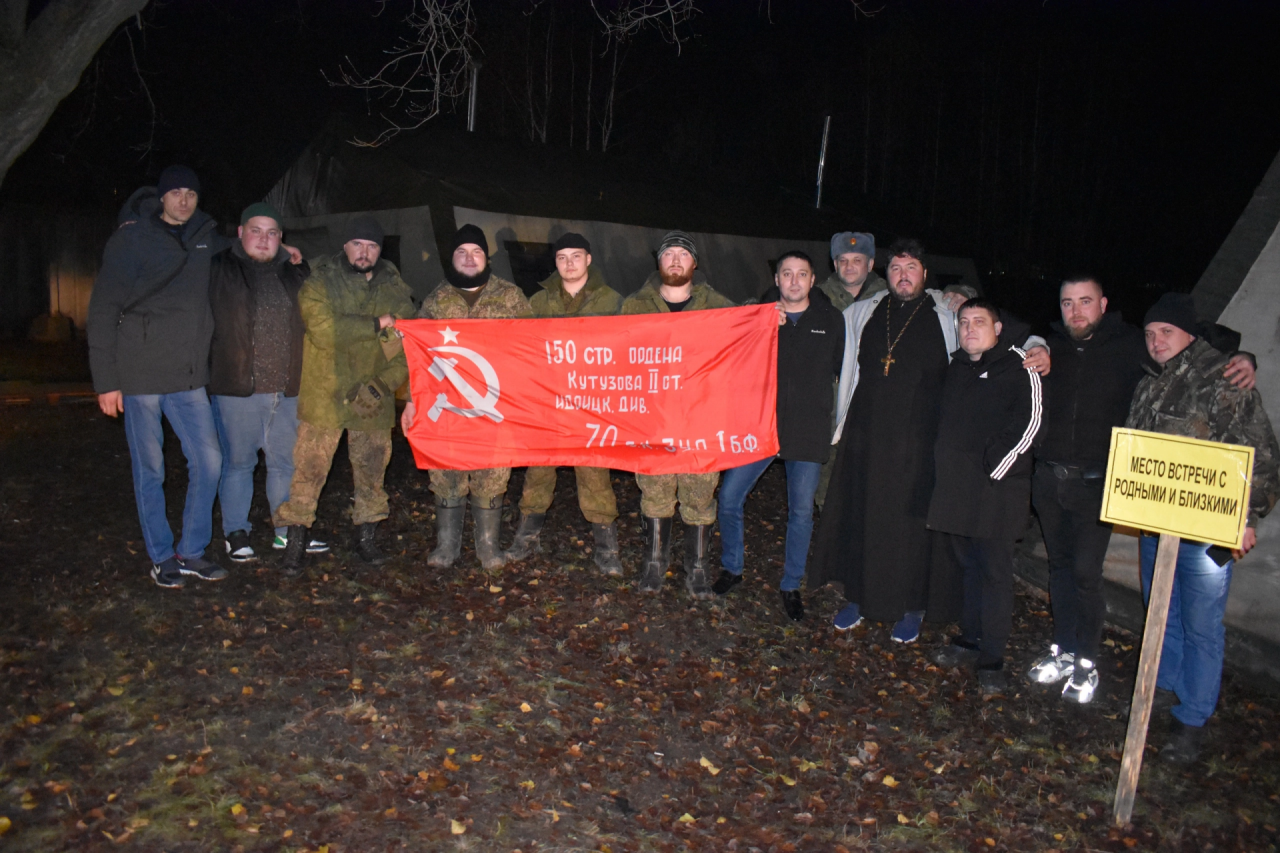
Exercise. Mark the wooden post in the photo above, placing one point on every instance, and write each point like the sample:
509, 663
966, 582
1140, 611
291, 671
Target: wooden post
1148, 665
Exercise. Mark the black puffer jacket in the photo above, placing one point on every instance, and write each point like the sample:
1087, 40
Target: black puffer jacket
1089, 390
809, 358
159, 343
992, 410
231, 292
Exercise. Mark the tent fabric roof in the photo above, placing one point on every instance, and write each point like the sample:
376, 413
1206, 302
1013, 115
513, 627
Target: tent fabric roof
1238, 253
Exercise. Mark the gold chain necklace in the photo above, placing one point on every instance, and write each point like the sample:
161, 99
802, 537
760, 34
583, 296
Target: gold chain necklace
889, 359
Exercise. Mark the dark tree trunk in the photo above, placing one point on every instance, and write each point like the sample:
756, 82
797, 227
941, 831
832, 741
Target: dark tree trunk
41, 64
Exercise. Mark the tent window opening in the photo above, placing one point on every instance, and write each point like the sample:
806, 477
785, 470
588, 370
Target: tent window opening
531, 264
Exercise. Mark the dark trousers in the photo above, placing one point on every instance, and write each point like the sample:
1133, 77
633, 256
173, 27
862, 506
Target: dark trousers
987, 617
1076, 542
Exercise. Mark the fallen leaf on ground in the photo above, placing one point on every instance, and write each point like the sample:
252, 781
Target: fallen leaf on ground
526, 707
903, 819
457, 827
889, 781
711, 768
787, 780
686, 818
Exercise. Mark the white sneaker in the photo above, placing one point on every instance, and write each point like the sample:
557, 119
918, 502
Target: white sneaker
1052, 667
314, 546
1082, 684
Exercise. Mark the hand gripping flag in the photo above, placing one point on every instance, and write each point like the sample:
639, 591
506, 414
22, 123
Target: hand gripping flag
653, 393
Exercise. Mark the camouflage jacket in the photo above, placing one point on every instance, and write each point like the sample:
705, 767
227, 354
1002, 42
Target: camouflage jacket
1189, 396
500, 300
343, 346
835, 290
595, 299
648, 299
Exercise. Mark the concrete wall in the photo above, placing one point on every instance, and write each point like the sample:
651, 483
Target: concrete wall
1254, 311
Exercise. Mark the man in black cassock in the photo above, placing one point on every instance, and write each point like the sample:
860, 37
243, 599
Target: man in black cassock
872, 537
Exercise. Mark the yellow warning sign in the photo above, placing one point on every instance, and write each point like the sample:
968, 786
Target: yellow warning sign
1194, 489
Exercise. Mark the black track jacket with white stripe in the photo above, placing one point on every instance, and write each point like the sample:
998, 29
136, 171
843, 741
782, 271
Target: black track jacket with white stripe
992, 411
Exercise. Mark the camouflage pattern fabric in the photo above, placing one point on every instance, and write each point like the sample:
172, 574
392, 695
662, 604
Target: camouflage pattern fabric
595, 493
486, 485
369, 452
500, 300
696, 493
648, 299
1189, 396
343, 346
595, 299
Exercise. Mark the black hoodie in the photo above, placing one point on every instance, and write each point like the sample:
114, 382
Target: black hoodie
992, 410
142, 342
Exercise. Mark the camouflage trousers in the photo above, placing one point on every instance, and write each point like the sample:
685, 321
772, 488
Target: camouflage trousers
696, 492
486, 485
595, 493
369, 452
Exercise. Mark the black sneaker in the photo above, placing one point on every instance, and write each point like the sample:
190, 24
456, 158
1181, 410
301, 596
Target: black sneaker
954, 654
793, 603
168, 574
727, 581
199, 567
238, 547
992, 679
1184, 744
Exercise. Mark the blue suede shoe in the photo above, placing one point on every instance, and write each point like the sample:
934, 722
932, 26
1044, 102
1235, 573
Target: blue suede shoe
908, 628
849, 617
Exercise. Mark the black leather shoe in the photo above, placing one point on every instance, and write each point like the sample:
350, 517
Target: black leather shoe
1183, 746
727, 581
793, 604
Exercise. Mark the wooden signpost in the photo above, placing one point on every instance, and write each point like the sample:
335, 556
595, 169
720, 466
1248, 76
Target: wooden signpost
1180, 488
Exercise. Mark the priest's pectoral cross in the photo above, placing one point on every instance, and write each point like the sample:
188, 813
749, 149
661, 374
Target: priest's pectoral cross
886, 361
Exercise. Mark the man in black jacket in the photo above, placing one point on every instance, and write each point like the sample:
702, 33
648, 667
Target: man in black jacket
255, 371
149, 330
810, 352
1098, 361
992, 409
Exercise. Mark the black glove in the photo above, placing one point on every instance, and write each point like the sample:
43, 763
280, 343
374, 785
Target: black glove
367, 398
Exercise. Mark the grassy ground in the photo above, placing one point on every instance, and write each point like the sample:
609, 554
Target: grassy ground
541, 707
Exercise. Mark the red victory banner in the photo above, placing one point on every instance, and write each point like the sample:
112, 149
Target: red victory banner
654, 393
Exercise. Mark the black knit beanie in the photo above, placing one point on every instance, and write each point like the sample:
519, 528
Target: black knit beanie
1176, 309
363, 227
177, 178
469, 234
571, 241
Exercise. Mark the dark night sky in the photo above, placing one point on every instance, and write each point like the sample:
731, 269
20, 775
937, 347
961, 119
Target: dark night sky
1039, 137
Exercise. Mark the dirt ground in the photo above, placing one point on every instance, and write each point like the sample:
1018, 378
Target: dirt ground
541, 707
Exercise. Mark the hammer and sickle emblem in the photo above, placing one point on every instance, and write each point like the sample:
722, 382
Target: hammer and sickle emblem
481, 404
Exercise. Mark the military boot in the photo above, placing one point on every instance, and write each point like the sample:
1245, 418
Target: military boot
449, 516
657, 554
525, 542
367, 545
697, 565
488, 522
295, 551
607, 559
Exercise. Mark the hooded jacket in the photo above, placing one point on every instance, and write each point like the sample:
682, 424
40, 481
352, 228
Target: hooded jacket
595, 299
144, 338
992, 411
343, 345
648, 299
232, 295
1189, 396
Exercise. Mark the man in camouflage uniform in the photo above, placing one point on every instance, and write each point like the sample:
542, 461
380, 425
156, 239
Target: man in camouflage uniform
576, 289
853, 254
671, 289
1187, 394
352, 363
469, 292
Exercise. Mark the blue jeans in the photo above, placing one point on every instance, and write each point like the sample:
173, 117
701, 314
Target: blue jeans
1191, 663
266, 422
191, 417
737, 483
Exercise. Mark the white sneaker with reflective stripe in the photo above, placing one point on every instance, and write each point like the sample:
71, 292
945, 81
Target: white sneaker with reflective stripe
1052, 667
1082, 684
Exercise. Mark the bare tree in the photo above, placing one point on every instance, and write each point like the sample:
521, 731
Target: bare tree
623, 19
41, 61
426, 71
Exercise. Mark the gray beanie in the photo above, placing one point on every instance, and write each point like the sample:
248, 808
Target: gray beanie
853, 241
678, 239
